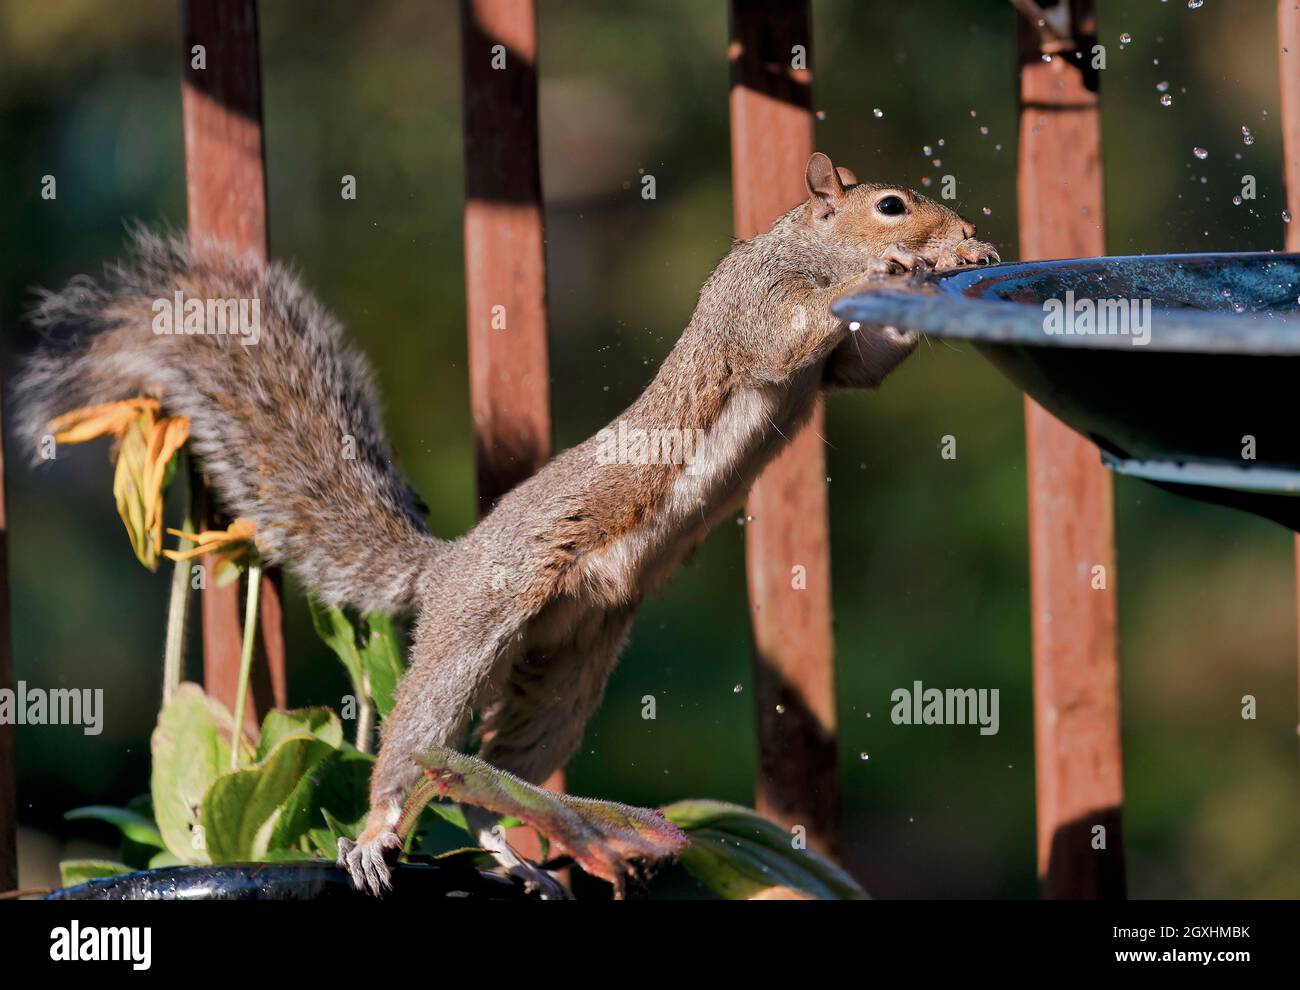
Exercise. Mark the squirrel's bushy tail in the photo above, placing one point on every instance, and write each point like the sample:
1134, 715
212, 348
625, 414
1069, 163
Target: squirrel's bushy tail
284, 418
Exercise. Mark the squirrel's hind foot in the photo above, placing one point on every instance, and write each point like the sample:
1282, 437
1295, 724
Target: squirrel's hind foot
367, 861
537, 881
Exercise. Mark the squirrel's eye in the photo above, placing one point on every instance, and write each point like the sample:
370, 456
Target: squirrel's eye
891, 206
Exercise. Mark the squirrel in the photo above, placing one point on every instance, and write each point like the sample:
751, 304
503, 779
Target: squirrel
521, 619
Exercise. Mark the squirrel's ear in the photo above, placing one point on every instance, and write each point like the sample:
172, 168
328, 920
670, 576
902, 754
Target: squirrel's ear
846, 175
824, 185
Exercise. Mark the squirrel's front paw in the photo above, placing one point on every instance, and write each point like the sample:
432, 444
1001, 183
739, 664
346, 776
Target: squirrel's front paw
897, 259
967, 252
366, 860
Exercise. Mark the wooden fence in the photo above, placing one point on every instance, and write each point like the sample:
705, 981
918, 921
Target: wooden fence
1071, 528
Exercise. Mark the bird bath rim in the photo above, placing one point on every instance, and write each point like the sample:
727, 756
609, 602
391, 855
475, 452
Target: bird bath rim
969, 304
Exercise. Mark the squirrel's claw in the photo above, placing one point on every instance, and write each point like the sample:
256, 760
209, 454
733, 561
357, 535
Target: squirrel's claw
536, 880
897, 259
967, 252
367, 861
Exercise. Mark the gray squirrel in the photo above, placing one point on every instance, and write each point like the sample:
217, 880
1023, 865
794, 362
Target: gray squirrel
521, 619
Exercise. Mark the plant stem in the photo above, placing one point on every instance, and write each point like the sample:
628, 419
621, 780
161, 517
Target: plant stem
179, 605
365, 716
246, 657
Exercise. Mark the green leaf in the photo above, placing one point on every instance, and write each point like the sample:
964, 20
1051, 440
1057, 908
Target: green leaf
381, 660
452, 813
164, 859
739, 854
338, 788
337, 632
75, 871
131, 824
242, 807
373, 658
325, 841
319, 722
191, 748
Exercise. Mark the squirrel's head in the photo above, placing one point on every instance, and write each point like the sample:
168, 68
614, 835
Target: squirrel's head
870, 216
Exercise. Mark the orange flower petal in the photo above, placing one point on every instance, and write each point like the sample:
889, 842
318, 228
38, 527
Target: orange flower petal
223, 542
107, 418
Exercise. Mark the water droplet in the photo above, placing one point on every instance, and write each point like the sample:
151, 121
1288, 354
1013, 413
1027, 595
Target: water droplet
1046, 57
1286, 216
1166, 100
927, 150
877, 112
1201, 153
1125, 38
937, 162
855, 325
1246, 136
737, 689
780, 709
821, 114
1238, 308
863, 756
1162, 87
1236, 200
984, 131
940, 142
1193, 4
987, 212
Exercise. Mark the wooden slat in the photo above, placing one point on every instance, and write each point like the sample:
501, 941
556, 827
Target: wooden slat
505, 260
1071, 527
225, 179
505, 266
1288, 42
771, 139
8, 731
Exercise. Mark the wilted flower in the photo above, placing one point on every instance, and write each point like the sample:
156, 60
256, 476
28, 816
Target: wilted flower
146, 445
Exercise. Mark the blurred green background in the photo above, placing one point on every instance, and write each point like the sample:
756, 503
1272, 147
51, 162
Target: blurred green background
929, 555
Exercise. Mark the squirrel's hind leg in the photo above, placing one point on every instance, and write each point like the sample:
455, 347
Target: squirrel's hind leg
537, 724
458, 649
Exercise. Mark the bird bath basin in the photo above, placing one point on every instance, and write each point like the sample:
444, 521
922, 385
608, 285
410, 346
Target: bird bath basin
1183, 369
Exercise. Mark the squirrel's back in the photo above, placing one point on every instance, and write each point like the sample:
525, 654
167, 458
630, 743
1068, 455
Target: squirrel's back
283, 416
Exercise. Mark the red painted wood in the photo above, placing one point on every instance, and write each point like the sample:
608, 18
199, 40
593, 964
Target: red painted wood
505, 266
794, 655
8, 732
505, 259
1071, 528
225, 179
